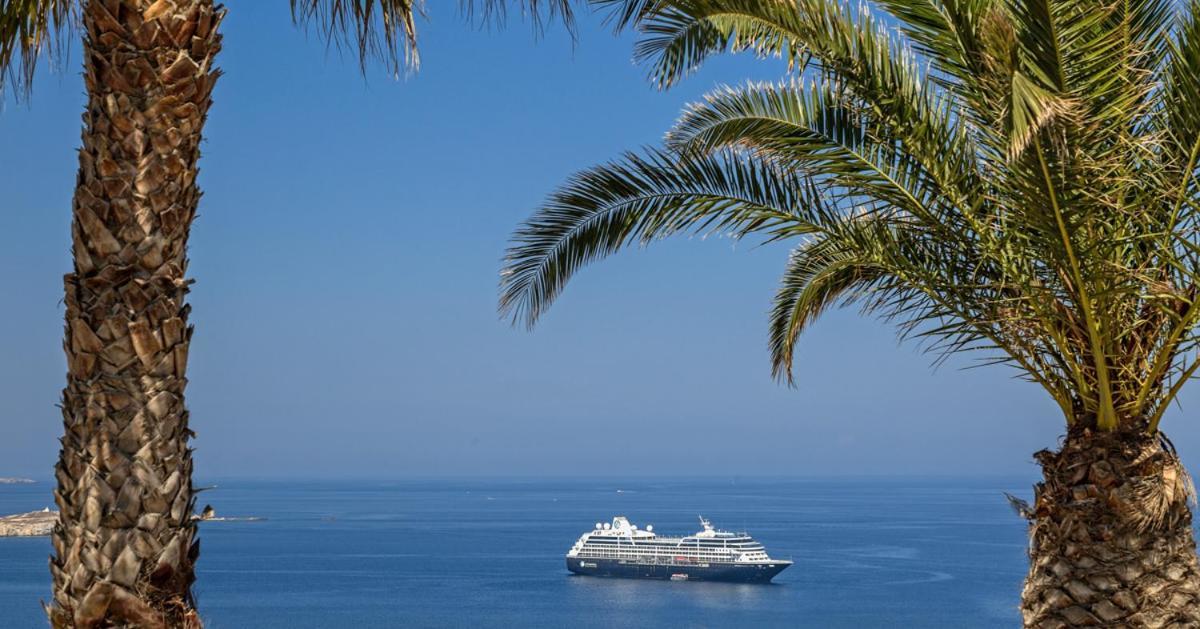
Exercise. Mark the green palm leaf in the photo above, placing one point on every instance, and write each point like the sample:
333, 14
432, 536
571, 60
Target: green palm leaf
637, 200
916, 159
1016, 177
387, 29
27, 29
819, 275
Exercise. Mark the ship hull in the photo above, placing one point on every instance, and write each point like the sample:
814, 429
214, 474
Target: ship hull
726, 572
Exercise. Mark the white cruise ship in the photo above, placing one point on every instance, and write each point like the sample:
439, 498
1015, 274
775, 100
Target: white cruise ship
621, 549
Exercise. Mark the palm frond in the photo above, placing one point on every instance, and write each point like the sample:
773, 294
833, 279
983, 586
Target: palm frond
387, 29
916, 158
1180, 120
540, 13
29, 29
623, 14
678, 36
1103, 56
895, 268
819, 275
857, 57
1012, 176
383, 29
946, 32
637, 200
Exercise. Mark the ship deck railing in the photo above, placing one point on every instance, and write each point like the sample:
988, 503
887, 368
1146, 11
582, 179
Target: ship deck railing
671, 559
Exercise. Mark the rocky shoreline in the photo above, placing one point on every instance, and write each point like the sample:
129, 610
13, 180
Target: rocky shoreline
37, 523
32, 524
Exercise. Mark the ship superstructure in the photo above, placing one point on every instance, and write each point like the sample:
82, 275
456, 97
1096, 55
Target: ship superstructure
621, 549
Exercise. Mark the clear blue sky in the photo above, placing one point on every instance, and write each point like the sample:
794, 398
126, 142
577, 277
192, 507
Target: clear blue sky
347, 251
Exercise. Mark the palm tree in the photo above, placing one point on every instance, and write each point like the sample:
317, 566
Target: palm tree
125, 545
1011, 177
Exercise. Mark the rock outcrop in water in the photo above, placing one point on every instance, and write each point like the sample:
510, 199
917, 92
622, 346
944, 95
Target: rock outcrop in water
30, 524
210, 515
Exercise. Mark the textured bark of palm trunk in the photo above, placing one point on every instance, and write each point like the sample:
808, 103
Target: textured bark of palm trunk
125, 544
1111, 539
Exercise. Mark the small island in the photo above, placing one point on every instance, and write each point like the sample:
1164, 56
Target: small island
16, 481
32, 524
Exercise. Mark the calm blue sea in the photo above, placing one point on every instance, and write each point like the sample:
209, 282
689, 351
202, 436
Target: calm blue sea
489, 553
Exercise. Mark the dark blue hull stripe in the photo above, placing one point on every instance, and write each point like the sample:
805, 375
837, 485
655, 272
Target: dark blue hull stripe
734, 573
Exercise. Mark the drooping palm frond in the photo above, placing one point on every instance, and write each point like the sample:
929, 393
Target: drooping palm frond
1180, 117
540, 13
375, 29
637, 200
853, 52
1014, 176
29, 29
384, 29
819, 275
916, 159
387, 29
678, 35
947, 32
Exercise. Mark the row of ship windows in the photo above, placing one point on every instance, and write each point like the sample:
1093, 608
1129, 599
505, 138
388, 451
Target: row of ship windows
663, 552
668, 551
670, 561
675, 540
669, 558
665, 543
669, 545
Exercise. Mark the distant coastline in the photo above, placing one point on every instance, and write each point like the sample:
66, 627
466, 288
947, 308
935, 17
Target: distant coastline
32, 524
16, 481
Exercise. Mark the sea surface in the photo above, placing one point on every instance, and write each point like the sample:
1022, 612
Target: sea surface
871, 552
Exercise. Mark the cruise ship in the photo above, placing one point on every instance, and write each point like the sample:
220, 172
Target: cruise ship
621, 549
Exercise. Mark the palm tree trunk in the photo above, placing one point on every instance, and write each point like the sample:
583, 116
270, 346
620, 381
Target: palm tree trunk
125, 544
1111, 539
